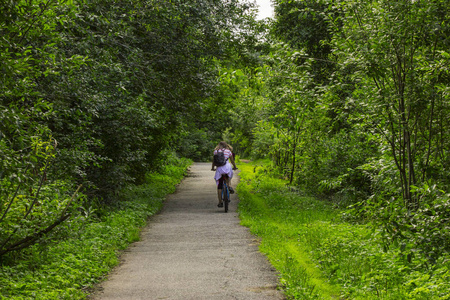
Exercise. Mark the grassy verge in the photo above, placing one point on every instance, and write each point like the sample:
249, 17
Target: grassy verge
68, 268
319, 256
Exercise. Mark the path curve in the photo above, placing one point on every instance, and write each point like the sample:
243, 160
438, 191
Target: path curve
193, 250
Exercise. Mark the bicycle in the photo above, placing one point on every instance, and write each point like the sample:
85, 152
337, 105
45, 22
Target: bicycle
225, 193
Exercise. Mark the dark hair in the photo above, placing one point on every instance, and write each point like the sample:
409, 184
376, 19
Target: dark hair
223, 145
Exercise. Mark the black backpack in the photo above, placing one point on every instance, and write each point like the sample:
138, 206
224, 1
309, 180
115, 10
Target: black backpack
219, 159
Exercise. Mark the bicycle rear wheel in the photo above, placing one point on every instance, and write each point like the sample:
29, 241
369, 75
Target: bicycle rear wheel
226, 203
225, 197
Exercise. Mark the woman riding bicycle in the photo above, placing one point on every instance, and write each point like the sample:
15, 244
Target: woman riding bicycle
226, 169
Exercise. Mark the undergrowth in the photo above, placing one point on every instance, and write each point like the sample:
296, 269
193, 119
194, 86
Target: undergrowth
81, 254
320, 256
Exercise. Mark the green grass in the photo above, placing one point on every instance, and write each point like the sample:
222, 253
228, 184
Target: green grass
283, 222
90, 245
319, 256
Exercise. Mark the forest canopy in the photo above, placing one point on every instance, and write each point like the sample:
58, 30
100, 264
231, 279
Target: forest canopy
99, 93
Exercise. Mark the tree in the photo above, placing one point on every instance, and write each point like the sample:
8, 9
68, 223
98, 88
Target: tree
30, 207
304, 25
396, 47
96, 92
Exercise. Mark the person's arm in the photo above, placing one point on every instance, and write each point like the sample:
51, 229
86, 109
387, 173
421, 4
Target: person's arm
212, 165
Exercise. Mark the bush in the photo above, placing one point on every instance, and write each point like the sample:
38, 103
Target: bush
320, 255
197, 145
82, 251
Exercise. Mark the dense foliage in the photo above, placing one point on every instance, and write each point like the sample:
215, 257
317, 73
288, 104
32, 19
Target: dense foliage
350, 102
96, 92
320, 256
82, 251
348, 99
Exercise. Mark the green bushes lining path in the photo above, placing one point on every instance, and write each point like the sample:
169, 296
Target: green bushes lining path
320, 256
67, 268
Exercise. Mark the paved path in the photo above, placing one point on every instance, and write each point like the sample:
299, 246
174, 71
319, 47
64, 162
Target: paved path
193, 250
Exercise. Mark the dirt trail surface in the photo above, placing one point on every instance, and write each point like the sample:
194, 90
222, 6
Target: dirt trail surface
193, 250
